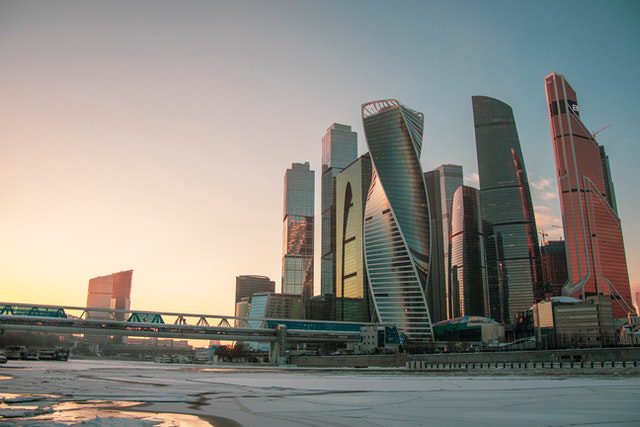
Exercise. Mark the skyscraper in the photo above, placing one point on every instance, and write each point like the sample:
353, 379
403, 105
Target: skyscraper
352, 291
110, 292
339, 149
441, 183
509, 228
554, 267
248, 285
396, 224
468, 274
297, 231
593, 232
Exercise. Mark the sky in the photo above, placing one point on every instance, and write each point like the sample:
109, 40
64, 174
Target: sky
154, 135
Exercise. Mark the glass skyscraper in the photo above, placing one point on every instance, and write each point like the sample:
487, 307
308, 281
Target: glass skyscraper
297, 231
396, 224
468, 263
339, 149
593, 232
352, 302
511, 238
441, 183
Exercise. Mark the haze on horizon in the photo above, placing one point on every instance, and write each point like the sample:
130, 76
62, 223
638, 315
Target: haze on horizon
155, 135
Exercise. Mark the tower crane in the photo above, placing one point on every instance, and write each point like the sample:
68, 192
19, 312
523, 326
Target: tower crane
594, 133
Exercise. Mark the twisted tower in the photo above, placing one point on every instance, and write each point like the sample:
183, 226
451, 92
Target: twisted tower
396, 225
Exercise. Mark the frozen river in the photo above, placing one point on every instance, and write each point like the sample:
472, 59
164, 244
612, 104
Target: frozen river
107, 393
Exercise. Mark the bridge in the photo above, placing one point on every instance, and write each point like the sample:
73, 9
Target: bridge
160, 324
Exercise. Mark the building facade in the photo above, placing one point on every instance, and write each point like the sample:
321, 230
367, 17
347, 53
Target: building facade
593, 232
248, 285
352, 293
554, 267
565, 322
468, 262
511, 237
109, 292
396, 224
339, 149
441, 183
297, 231
275, 306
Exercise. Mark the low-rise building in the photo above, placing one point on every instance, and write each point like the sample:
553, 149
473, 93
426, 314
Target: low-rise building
569, 322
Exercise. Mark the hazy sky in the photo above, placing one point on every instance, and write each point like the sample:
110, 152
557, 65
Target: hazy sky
155, 135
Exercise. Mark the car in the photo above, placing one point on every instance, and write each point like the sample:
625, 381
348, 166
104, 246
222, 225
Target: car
3, 359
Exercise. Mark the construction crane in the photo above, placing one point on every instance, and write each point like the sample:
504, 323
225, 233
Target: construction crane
544, 236
594, 133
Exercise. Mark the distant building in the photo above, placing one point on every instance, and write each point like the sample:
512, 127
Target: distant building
322, 307
352, 286
276, 306
112, 292
339, 149
569, 322
554, 267
509, 227
242, 309
298, 217
249, 285
468, 275
441, 183
597, 264
469, 328
396, 223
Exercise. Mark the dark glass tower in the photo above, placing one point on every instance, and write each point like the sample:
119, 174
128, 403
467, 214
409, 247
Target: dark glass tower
339, 149
297, 231
396, 224
468, 263
511, 238
441, 183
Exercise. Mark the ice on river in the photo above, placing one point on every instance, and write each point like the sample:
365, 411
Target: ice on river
155, 394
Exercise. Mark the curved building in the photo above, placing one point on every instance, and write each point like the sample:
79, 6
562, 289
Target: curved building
511, 238
593, 232
468, 264
396, 224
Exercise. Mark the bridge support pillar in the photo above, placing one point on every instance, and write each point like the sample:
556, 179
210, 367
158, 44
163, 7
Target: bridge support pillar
278, 347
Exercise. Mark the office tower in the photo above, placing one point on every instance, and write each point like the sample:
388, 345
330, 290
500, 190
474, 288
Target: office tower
608, 180
595, 249
509, 228
322, 307
396, 224
468, 264
248, 285
110, 292
242, 310
339, 149
352, 293
441, 184
554, 267
297, 240
275, 306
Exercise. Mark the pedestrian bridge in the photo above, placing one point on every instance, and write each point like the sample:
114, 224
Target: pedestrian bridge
160, 324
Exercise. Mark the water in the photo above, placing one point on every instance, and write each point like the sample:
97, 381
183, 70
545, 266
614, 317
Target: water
49, 410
